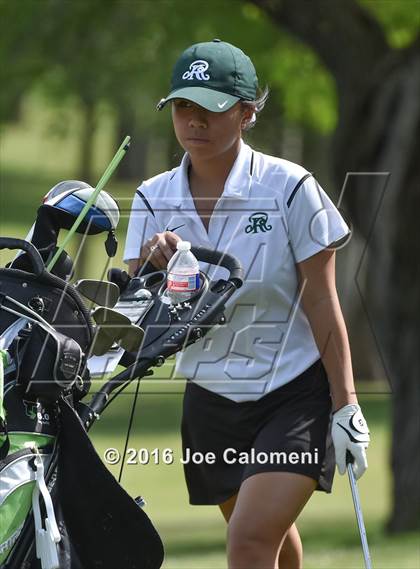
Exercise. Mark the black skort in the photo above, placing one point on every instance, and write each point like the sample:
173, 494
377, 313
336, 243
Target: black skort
287, 430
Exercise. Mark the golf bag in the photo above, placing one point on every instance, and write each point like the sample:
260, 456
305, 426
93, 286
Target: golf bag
81, 517
46, 332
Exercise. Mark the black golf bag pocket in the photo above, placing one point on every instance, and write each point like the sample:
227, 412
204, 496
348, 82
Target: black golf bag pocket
49, 363
106, 527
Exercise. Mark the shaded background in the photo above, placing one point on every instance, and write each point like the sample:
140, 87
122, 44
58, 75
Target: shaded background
344, 78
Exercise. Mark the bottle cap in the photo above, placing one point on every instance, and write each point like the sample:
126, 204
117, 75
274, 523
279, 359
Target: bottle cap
183, 246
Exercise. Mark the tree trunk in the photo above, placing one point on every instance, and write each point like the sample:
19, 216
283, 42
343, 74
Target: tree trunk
134, 165
376, 150
404, 303
387, 145
86, 141
86, 175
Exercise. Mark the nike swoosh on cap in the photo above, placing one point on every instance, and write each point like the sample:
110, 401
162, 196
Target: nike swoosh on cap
175, 228
221, 105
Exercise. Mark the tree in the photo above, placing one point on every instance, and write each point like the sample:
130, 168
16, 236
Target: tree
21, 53
378, 132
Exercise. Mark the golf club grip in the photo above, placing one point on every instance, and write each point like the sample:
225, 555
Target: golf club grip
232, 264
33, 253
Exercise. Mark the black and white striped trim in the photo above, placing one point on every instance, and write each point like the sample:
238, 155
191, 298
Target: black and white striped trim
251, 167
146, 203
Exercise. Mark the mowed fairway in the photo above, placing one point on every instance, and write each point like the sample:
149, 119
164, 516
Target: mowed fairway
195, 536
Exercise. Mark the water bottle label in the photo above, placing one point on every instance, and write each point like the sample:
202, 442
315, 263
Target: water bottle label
183, 283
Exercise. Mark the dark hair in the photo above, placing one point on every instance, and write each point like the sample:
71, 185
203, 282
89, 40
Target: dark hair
257, 105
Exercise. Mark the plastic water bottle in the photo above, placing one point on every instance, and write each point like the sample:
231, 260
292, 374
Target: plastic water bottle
183, 278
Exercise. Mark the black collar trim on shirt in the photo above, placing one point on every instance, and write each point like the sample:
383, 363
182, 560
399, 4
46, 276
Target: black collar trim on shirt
146, 203
295, 189
251, 167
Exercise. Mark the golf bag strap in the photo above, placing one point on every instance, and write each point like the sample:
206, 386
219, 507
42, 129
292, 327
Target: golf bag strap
35, 257
4, 359
54, 281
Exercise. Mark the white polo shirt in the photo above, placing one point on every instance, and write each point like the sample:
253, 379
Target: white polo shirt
271, 215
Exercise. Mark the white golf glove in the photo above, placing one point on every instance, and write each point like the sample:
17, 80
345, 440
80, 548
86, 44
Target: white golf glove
350, 433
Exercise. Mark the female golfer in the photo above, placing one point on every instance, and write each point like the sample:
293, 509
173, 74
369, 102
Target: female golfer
270, 392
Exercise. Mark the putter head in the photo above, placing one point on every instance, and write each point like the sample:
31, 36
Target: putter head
115, 327
103, 293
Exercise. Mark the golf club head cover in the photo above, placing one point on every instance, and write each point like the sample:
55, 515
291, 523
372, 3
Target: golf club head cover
350, 433
63, 267
44, 237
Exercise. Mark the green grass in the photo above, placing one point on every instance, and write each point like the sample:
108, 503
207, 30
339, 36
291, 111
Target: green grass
47, 139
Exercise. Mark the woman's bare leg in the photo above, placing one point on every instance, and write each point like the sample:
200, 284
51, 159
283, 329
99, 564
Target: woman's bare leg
291, 552
260, 518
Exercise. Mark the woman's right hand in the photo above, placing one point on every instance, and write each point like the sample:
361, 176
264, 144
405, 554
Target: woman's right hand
159, 249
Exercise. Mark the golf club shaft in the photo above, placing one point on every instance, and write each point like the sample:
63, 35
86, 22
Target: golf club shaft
359, 517
28, 237
104, 179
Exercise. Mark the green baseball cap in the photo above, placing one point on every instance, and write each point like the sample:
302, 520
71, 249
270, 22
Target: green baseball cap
214, 75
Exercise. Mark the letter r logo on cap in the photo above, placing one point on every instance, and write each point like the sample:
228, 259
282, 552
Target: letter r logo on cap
197, 69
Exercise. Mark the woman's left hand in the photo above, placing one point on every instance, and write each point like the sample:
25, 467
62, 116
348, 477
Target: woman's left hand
350, 433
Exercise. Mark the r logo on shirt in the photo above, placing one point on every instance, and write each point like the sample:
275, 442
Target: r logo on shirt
258, 222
